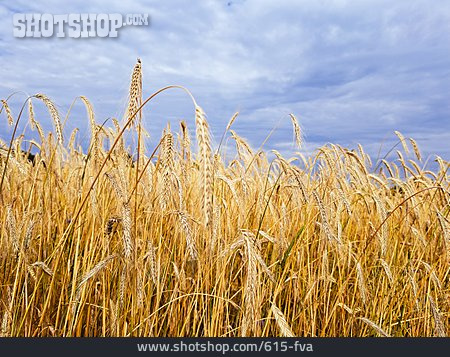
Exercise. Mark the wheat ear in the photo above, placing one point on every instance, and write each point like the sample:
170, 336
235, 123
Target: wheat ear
12, 228
135, 94
55, 116
445, 226
33, 122
126, 216
372, 324
95, 270
439, 326
403, 141
44, 267
297, 131
361, 283
205, 160
284, 327
250, 309
153, 263
416, 149
8, 112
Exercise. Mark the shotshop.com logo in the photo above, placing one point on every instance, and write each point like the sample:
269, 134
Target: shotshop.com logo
75, 25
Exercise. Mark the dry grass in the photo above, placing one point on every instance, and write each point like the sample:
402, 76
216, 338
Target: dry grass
186, 242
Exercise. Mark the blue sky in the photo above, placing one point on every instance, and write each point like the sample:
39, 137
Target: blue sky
351, 71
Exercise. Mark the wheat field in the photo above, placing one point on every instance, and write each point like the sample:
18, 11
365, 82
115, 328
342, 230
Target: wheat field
179, 240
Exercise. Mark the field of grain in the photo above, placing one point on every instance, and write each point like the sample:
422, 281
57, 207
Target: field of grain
180, 241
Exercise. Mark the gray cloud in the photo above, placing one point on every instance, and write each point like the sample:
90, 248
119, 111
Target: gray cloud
351, 71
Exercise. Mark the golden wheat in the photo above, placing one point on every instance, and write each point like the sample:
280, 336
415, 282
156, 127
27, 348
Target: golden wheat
55, 116
8, 112
205, 241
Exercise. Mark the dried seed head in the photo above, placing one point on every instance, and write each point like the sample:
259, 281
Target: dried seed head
362, 284
8, 112
135, 94
285, 329
95, 270
44, 267
55, 116
372, 324
205, 161
297, 131
439, 326
416, 149
402, 141
12, 228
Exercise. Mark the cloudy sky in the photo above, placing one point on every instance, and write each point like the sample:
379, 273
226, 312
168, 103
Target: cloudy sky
351, 71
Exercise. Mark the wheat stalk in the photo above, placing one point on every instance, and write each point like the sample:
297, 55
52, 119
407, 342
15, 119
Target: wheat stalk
403, 141
251, 282
388, 167
205, 161
242, 145
439, 327
190, 243
95, 131
12, 228
346, 308
361, 283
28, 234
7, 316
135, 93
372, 324
91, 114
31, 116
387, 270
416, 149
297, 131
445, 226
33, 122
113, 318
121, 293
72, 139
167, 163
285, 329
433, 275
44, 267
413, 284
231, 121
95, 270
153, 263
323, 216
126, 215
55, 116
248, 319
383, 238
8, 112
